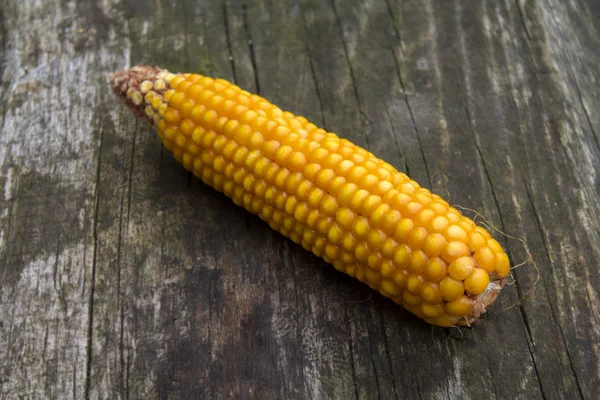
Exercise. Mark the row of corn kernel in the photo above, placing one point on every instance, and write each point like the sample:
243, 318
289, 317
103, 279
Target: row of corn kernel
252, 106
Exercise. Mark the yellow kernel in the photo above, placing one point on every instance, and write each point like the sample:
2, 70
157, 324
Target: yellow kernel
336, 184
439, 224
318, 155
382, 187
495, 246
271, 175
389, 288
434, 244
400, 278
403, 229
486, 259
461, 307
332, 160
346, 193
374, 261
156, 102
387, 269
432, 311
414, 283
402, 257
171, 133
169, 77
323, 225
479, 229
324, 178
379, 213
280, 178
358, 199
297, 162
430, 293
477, 241
332, 251
370, 165
149, 111
348, 242
345, 217
356, 173
241, 134
370, 204
461, 268
261, 166
502, 264
343, 167
455, 232
417, 238
439, 206
407, 187
375, 239
411, 208
451, 289
197, 113
362, 252
292, 182
149, 97
180, 141
186, 126
270, 148
368, 181
423, 196
477, 282
361, 227
176, 100
329, 205
400, 200
410, 298
334, 234
145, 87
418, 262
372, 277
468, 225
315, 197
389, 247
423, 217
168, 94
176, 80
445, 321
311, 171
389, 221
454, 216
172, 117
313, 218
162, 109
304, 189
454, 250
186, 108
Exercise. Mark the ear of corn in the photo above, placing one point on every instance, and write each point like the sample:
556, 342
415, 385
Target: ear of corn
332, 197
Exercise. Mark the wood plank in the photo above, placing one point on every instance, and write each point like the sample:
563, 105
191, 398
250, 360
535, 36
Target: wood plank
121, 275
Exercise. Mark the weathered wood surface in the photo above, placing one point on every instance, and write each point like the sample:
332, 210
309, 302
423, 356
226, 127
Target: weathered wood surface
123, 277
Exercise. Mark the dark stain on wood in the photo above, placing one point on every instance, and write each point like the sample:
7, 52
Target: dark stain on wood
122, 276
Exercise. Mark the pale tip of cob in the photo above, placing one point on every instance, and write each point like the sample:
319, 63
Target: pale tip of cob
482, 302
132, 85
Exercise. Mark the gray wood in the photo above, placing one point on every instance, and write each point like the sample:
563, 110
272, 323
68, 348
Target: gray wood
122, 276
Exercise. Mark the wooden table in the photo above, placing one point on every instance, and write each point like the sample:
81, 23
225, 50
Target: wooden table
122, 276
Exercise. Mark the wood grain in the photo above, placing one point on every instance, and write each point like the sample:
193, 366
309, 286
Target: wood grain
122, 276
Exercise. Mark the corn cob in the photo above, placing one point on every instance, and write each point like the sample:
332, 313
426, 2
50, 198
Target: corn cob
332, 197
